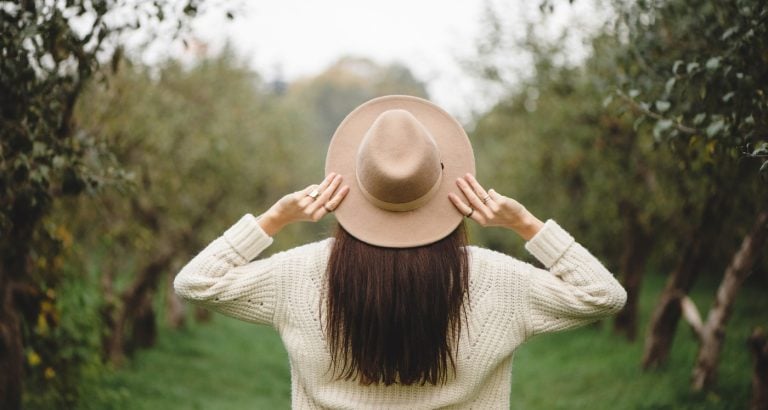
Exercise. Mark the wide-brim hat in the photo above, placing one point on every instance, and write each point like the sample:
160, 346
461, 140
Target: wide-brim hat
400, 156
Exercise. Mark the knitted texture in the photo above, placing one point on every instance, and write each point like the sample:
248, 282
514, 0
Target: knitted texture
510, 302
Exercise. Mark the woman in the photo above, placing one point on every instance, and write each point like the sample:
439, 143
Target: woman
396, 311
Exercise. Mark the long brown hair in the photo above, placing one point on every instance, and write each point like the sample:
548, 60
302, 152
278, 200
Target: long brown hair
394, 315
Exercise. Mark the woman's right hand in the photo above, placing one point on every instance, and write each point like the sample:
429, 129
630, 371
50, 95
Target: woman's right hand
303, 206
489, 208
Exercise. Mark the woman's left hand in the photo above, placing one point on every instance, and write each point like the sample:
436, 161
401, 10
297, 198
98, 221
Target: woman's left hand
489, 208
310, 204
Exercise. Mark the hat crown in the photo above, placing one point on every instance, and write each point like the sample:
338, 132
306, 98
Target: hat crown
398, 163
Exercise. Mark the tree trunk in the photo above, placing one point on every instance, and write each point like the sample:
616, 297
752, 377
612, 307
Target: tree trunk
14, 256
637, 247
11, 348
758, 344
713, 332
136, 314
174, 307
202, 315
661, 331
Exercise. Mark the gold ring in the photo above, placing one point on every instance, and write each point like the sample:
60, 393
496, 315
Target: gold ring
486, 199
472, 210
314, 194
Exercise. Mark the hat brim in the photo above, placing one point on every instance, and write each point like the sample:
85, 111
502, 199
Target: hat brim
427, 224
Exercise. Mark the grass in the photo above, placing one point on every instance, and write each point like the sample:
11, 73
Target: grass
228, 364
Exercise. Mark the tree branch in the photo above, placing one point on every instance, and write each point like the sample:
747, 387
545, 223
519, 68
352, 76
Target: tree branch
638, 107
691, 315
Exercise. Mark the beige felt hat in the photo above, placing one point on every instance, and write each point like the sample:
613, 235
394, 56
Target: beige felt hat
400, 157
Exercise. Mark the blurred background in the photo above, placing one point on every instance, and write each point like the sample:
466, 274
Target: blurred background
134, 132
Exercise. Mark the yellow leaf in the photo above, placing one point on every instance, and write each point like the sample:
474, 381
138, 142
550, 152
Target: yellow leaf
49, 373
33, 358
64, 235
711, 146
42, 324
46, 306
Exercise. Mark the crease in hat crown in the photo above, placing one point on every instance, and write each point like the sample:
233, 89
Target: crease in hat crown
398, 165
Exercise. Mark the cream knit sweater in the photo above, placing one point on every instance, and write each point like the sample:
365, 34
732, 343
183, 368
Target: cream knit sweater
511, 301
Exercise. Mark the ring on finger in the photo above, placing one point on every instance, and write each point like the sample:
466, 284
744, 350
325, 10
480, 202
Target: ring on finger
314, 194
486, 199
471, 211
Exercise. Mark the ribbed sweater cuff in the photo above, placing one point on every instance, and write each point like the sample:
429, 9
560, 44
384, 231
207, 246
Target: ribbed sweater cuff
247, 238
549, 244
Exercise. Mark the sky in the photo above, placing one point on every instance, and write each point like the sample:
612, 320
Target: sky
296, 38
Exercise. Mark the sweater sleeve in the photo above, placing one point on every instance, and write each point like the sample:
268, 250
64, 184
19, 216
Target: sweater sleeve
576, 290
222, 278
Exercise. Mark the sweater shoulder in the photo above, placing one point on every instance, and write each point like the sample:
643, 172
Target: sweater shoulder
305, 257
485, 260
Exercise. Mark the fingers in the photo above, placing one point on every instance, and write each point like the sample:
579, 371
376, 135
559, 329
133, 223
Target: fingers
327, 189
465, 209
332, 203
477, 188
302, 197
474, 201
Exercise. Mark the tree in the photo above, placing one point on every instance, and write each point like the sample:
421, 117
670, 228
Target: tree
45, 64
201, 146
697, 72
554, 127
331, 95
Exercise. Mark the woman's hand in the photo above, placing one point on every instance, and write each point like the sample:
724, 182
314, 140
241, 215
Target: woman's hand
493, 209
310, 204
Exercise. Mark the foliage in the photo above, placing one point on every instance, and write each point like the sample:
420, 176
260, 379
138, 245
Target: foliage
198, 146
551, 144
328, 97
49, 52
697, 71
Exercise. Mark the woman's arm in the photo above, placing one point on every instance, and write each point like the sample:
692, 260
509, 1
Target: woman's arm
223, 278
577, 289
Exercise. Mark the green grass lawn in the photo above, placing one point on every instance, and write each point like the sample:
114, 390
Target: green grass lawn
228, 364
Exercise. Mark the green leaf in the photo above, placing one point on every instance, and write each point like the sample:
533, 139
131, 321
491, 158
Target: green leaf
634, 93
638, 122
691, 67
699, 118
663, 106
761, 149
715, 127
729, 32
607, 101
676, 67
713, 63
728, 97
670, 85
660, 127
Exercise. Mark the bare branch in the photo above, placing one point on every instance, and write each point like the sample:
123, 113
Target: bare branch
691, 315
638, 107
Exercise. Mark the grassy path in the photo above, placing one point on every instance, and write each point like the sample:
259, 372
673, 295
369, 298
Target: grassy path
233, 365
